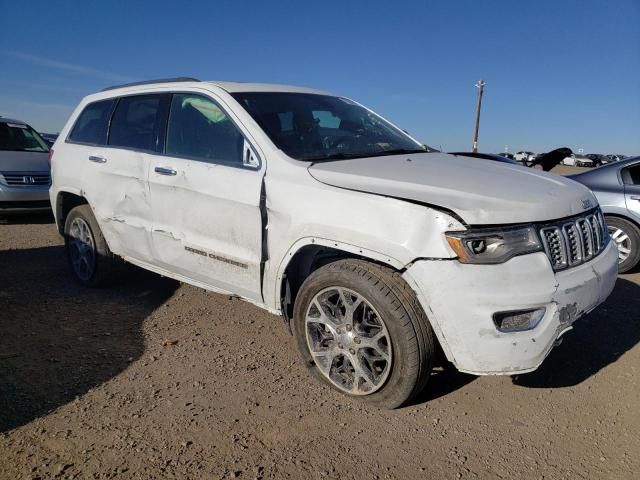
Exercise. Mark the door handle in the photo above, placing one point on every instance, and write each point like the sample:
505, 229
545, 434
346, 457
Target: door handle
635, 197
165, 171
97, 159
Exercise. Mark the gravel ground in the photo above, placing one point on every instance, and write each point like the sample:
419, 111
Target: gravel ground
154, 379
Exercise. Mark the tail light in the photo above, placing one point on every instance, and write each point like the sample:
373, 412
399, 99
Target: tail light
50, 156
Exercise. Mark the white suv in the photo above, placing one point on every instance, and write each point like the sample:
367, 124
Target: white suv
313, 207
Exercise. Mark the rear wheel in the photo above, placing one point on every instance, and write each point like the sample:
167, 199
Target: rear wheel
90, 259
360, 328
626, 236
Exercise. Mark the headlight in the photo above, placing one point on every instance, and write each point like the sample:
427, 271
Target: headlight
493, 245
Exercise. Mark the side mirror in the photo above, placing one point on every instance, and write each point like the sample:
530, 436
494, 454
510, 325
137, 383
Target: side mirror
250, 157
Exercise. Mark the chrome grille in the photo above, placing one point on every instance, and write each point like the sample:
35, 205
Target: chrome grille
574, 241
26, 179
554, 246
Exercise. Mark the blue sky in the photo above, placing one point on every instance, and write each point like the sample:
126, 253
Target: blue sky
558, 73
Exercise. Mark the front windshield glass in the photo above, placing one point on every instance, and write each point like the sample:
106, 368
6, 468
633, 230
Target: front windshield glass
20, 137
316, 127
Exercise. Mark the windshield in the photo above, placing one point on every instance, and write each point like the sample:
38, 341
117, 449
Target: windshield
315, 127
20, 137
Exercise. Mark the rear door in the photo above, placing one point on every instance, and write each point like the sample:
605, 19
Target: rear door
205, 193
135, 134
119, 136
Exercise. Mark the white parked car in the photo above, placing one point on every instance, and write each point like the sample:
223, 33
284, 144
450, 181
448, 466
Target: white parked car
532, 157
522, 157
315, 208
577, 160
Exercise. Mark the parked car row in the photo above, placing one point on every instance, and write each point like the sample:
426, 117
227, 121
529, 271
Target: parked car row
50, 138
576, 159
592, 159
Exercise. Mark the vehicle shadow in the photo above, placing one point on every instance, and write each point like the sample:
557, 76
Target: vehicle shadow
59, 339
41, 218
597, 340
442, 382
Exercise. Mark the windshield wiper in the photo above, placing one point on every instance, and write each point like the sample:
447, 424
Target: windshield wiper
398, 151
346, 156
335, 156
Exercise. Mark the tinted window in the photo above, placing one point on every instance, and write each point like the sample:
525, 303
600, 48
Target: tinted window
91, 126
634, 174
136, 122
199, 128
20, 137
313, 127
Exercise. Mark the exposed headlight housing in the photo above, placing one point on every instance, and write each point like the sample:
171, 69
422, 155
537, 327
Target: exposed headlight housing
491, 246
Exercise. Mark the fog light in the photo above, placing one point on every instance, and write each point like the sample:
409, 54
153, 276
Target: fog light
519, 320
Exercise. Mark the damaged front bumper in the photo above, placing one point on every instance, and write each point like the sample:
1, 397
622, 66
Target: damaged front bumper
461, 300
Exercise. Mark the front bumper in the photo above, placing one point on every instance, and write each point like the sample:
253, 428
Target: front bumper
24, 199
460, 300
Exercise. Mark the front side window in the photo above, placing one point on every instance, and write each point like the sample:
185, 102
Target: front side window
315, 127
198, 128
92, 124
136, 122
21, 138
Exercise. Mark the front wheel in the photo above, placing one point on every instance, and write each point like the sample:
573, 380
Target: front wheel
626, 236
359, 328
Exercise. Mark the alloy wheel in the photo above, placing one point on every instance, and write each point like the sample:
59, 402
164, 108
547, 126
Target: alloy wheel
348, 341
82, 249
623, 242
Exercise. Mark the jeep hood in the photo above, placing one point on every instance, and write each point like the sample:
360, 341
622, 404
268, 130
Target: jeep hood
481, 192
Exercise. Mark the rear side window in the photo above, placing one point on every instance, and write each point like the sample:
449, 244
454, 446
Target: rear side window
198, 128
633, 175
136, 122
92, 124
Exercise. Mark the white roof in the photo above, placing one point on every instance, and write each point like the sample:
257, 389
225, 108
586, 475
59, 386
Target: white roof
231, 87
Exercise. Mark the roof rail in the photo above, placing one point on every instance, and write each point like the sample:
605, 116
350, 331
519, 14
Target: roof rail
148, 82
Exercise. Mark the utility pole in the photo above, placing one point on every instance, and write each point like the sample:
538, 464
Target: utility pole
480, 86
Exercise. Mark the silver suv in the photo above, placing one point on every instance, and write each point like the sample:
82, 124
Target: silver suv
24, 169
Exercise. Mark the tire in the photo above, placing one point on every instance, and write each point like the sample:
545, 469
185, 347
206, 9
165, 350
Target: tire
388, 320
98, 267
626, 235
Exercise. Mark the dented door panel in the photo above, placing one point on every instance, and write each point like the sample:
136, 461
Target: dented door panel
120, 198
207, 223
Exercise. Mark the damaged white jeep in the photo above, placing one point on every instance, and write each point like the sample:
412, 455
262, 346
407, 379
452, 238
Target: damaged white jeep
376, 252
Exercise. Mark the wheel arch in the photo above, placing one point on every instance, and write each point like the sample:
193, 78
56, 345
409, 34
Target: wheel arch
622, 216
309, 254
67, 200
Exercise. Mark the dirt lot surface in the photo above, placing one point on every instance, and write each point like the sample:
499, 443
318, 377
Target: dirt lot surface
154, 379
